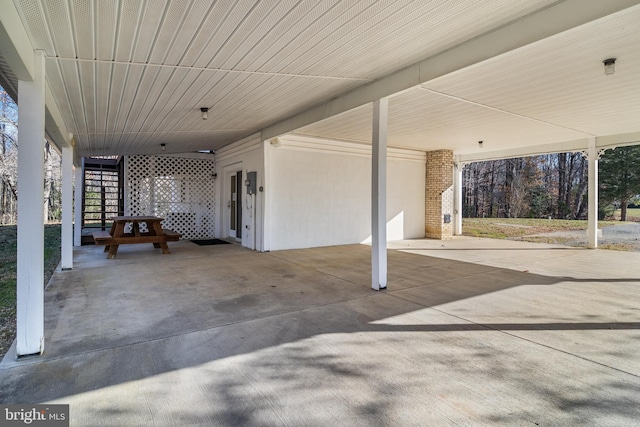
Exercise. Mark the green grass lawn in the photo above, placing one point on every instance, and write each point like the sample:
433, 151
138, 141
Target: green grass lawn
8, 249
504, 228
633, 214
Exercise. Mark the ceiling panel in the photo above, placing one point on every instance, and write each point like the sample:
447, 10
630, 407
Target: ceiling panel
59, 23
426, 121
126, 41
104, 33
127, 74
562, 80
82, 19
550, 91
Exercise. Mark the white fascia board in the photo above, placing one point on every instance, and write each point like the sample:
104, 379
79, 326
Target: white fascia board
619, 140
242, 146
315, 144
602, 142
555, 19
54, 125
15, 46
526, 151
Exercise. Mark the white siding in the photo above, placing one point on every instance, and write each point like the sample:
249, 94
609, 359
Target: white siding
320, 193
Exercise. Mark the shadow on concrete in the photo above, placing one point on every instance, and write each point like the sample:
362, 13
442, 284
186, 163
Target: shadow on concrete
261, 329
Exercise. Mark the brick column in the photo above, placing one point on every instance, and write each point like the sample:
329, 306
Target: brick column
439, 195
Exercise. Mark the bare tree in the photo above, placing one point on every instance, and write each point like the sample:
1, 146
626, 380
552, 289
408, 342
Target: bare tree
8, 158
554, 185
9, 167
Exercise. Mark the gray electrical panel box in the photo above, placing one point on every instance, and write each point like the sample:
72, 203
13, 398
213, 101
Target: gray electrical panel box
252, 178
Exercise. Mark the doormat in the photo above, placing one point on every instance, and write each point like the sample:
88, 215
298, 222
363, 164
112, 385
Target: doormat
208, 242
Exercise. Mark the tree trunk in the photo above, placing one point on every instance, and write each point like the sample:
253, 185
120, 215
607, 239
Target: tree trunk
47, 180
562, 185
623, 209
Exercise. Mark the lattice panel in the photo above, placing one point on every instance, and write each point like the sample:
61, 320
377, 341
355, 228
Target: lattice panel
177, 189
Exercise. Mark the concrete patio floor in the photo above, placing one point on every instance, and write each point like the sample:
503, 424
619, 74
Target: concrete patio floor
469, 332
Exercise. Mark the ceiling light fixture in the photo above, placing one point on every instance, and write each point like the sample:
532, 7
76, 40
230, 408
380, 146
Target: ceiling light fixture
204, 111
480, 144
609, 66
163, 146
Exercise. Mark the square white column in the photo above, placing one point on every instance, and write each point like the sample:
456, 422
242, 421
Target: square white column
66, 256
592, 225
457, 198
379, 195
30, 263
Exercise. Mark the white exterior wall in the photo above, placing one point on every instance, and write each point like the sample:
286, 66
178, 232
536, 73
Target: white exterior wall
246, 155
320, 193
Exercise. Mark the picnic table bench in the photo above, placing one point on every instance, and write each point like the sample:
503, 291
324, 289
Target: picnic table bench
117, 236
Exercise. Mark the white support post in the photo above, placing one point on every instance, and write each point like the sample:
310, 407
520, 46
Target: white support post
457, 198
77, 213
379, 195
66, 237
30, 262
592, 226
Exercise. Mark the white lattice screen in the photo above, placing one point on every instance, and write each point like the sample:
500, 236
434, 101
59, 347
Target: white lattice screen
180, 190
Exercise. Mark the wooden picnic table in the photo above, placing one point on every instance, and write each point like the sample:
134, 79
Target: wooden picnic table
118, 236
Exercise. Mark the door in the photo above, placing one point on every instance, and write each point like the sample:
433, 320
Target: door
234, 204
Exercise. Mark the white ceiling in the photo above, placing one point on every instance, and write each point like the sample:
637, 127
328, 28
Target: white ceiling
128, 75
550, 91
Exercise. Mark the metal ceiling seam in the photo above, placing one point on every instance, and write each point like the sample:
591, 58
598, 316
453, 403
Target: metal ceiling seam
261, 33
172, 31
183, 103
222, 70
117, 94
325, 22
380, 30
163, 98
139, 102
501, 110
203, 18
154, 97
96, 10
230, 45
191, 107
83, 34
441, 26
199, 11
129, 96
151, 14
51, 11
300, 94
126, 33
336, 35
232, 19
106, 23
200, 43
247, 37
156, 34
31, 13
276, 46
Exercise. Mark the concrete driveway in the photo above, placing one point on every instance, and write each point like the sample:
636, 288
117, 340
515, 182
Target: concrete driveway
469, 332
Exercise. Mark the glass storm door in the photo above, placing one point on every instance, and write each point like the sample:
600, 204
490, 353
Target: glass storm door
235, 207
